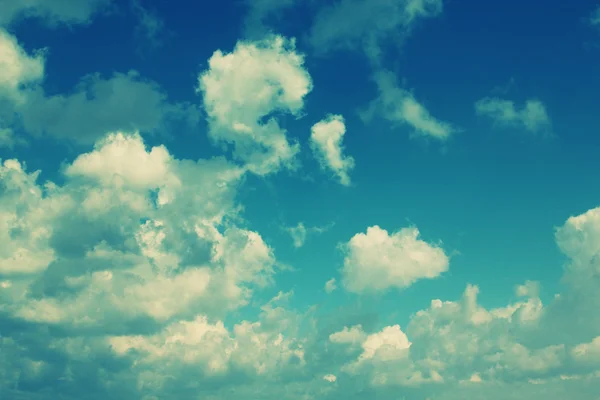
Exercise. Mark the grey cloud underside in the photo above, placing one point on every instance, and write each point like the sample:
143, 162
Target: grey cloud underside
99, 105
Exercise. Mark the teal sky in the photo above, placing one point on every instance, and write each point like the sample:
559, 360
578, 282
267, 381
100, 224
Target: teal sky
299, 199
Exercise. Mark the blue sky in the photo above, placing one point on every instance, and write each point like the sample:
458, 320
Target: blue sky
350, 199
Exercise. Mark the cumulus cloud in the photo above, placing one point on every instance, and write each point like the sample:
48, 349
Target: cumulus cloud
326, 143
17, 68
243, 91
365, 23
532, 117
52, 12
378, 261
141, 263
398, 105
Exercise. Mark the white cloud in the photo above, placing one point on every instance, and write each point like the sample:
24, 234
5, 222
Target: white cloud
330, 378
120, 156
242, 92
532, 117
398, 105
9, 140
17, 68
299, 233
141, 258
330, 285
326, 143
353, 336
377, 261
365, 23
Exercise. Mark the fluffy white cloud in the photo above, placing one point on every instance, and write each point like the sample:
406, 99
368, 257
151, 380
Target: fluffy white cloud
245, 89
17, 68
326, 143
398, 105
52, 12
139, 269
353, 23
24, 230
377, 261
532, 117
111, 252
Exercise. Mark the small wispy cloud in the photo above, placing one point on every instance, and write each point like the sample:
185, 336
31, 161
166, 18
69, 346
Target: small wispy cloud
399, 105
595, 17
150, 29
299, 233
532, 116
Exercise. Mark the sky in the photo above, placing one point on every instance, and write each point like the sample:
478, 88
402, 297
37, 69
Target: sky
299, 199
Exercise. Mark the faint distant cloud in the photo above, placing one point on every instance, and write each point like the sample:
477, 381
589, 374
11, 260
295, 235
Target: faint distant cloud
52, 12
396, 104
365, 23
532, 116
595, 17
150, 29
299, 233
255, 23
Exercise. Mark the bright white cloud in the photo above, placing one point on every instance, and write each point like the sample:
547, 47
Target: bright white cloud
326, 142
141, 257
123, 157
377, 261
398, 105
532, 117
17, 68
242, 92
